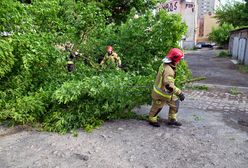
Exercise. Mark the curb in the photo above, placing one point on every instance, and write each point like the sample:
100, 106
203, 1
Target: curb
216, 86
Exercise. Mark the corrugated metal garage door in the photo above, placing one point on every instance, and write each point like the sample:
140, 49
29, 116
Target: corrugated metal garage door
241, 50
246, 53
235, 47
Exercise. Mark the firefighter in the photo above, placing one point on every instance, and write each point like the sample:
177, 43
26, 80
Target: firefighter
111, 58
164, 91
70, 62
71, 59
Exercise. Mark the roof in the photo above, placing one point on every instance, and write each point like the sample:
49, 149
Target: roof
239, 29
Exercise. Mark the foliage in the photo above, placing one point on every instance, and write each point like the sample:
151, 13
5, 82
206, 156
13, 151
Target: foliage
141, 42
230, 16
243, 68
35, 87
235, 14
234, 91
191, 80
6, 54
224, 54
102, 97
12, 16
183, 74
221, 34
119, 10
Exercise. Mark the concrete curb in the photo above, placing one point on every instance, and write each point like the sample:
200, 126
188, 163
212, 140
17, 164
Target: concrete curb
216, 86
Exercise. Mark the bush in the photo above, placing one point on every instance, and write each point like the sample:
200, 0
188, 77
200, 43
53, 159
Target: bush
221, 34
224, 54
141, 42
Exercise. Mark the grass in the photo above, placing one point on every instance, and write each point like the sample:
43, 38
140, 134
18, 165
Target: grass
224, 54
197, 118
197, 87
243, 68
195, 79
234, 91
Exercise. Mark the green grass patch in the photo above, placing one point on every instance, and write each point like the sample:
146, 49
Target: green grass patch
234, 91
197, 118
224, 54
195, 79
196, 87
243, 68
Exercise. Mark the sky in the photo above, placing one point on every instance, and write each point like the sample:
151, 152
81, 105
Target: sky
225, 1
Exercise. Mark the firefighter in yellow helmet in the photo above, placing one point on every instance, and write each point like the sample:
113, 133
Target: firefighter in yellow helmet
111, 58
164, 91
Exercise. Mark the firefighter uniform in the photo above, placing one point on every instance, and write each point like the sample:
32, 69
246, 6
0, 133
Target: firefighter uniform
70, 66
165, 93
111, 59
70, 61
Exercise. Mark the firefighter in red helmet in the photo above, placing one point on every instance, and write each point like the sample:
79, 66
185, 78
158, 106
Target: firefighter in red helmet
164, 91
111, 58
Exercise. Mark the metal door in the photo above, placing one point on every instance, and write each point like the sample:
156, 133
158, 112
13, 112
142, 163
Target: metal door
241, 50
235, 47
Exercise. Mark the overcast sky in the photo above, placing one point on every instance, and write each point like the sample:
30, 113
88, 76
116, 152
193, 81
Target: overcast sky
225, 1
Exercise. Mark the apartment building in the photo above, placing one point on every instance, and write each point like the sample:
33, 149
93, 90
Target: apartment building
206, 20
207, 6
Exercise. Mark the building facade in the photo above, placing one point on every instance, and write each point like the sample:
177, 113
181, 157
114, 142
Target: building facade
188, 10
206, 20
207, 6
198, 16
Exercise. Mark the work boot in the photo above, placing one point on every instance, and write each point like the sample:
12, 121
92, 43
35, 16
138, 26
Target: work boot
154, 121
174, 122
155, 124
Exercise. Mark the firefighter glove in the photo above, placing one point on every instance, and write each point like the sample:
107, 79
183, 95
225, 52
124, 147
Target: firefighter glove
181, 97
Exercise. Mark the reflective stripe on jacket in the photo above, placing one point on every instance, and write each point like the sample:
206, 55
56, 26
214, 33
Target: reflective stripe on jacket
166, 77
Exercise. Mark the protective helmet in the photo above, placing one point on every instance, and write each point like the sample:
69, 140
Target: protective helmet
109, 48
174, 55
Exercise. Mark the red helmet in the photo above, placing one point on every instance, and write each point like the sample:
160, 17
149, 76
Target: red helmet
175, 55
109, 48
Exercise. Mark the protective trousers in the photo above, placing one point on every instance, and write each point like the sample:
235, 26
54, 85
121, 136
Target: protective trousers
157, 106
70, 66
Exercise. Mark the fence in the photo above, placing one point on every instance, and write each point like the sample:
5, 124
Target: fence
238, 45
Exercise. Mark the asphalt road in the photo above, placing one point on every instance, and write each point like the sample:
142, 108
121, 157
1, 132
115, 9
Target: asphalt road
221, 71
